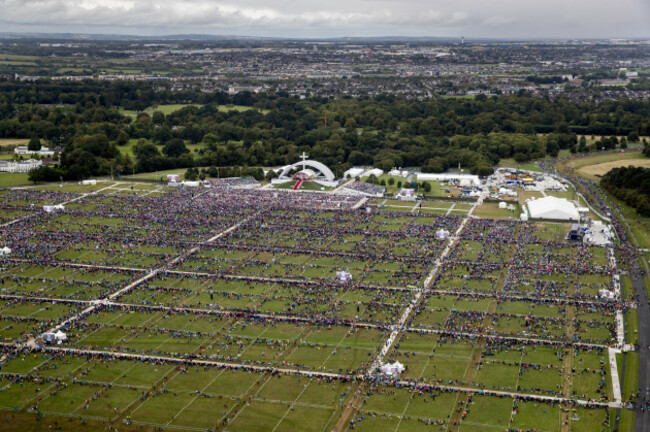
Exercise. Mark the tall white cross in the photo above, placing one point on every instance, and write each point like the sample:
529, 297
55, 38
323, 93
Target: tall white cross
304, 157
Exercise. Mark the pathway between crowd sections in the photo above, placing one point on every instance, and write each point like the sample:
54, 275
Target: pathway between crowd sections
491, 295
397, 328
108, 300
31, 215
316, 374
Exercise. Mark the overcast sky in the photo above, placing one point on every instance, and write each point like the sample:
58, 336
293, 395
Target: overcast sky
331, 18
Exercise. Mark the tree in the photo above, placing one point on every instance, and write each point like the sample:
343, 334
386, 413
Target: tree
191, 174
175, 147
427, 187
34, 144
582, 147
391, 181
122, 138
633, 136
386, 164
44, 174
484, 170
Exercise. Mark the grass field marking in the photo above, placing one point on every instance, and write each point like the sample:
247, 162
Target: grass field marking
248, 390
104, 325
329, 420
514, 400
195, 397
291, 406
337, 346
53, 385
160, 426
415, 301
487, 426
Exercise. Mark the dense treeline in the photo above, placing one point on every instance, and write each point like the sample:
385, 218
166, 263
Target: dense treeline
386, 131
631, 185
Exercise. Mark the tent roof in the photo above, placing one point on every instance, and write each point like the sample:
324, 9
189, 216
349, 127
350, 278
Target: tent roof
551, 207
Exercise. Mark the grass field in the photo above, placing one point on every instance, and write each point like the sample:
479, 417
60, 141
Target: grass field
13, 179
600, 169
13, 141
243, 310
492, 211
168, 109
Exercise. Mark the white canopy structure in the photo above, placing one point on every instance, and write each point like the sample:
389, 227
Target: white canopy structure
606, 294
57, 337
554, 208
406, 195
465, 180
376, 171
442, 234
53, 208
392, 369
343, 276
5, 251
354, 172
319, 169
309, 170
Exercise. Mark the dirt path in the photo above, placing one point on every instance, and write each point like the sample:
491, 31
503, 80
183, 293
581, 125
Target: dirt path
350, 408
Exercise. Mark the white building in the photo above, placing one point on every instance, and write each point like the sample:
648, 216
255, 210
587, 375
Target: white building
553, 208
20, 166
464, 180
374, 171
23, 150
353, 172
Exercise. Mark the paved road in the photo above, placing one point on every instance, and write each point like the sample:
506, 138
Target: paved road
642, 423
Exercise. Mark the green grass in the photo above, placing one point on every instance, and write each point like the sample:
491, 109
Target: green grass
13, 179
169, 109
492, 211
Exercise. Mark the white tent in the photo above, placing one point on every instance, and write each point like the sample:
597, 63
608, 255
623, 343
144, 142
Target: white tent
442, 234
393, 370
376, 171
353, 172
406, 195
502, 205
343, 276
606, 294
57, 337
554, 208
5, 251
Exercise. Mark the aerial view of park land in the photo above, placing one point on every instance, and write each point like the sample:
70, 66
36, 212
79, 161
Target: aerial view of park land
313, 226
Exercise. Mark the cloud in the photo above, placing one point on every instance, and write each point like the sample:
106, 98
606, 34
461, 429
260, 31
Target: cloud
311, 18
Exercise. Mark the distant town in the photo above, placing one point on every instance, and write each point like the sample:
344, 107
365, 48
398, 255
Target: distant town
589, 69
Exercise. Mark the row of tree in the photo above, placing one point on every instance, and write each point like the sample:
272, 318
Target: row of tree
631, 185
386, 131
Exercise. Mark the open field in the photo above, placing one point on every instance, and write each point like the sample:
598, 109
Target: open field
13, 179
169, 109
13, 141
231, 315
600, 169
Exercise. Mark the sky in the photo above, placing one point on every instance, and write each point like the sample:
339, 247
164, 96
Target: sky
334, 18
